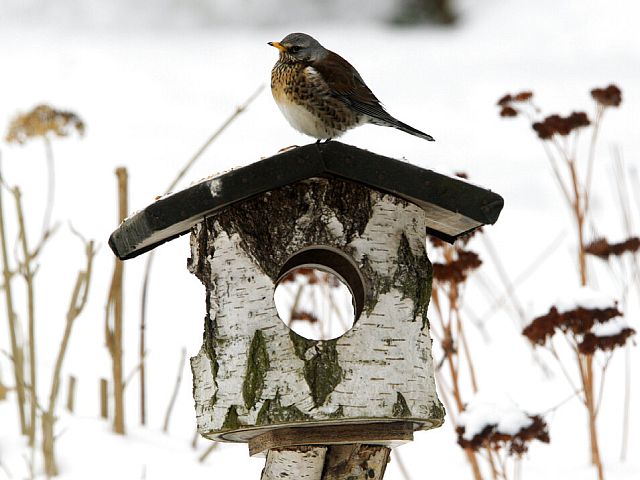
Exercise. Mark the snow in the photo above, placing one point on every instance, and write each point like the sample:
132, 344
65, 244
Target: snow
613, 327
492, 410
572, 298
151, 96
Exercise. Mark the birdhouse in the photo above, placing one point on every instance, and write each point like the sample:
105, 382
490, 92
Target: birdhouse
360, 216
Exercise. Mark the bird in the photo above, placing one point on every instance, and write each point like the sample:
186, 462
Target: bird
321, 94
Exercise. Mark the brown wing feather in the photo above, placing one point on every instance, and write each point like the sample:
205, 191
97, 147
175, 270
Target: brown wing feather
345, 82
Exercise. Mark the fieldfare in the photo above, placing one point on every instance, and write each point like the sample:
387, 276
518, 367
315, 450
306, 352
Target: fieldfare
321, 94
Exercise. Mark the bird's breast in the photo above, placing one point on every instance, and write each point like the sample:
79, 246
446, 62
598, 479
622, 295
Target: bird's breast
307, 103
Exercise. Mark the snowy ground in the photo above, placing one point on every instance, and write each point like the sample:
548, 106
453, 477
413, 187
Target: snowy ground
150, 98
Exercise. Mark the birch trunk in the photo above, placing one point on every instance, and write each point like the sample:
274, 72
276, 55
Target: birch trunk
355, 462
254, 374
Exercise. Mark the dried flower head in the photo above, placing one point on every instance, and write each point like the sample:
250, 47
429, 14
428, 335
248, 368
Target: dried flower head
306, 273
578, 321
506, 103
302, 316
41, 121
610, 96
457, 270
592, 342
508, 111
523, 96
517, 443
505, 100
556, 124
603, 249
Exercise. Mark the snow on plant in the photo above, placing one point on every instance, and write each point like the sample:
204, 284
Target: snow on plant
449, 277
497, 427
580, 316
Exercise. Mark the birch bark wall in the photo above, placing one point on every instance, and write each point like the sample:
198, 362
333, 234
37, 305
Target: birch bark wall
253, 373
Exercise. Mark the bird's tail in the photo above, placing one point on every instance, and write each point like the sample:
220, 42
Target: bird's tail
409, 129
389, 121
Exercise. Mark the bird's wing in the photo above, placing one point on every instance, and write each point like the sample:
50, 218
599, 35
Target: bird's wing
345, 83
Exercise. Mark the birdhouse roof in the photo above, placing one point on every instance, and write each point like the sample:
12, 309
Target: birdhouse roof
453, 206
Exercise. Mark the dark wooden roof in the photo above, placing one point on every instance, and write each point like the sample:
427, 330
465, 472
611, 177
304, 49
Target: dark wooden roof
454, 207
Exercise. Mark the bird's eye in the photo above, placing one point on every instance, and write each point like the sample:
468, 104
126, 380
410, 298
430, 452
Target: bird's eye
294, 49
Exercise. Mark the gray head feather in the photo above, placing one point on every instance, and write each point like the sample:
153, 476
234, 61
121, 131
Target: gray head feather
303, 48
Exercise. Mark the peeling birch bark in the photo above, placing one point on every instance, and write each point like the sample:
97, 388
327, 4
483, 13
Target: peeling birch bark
254, 374
300, 462
338, 462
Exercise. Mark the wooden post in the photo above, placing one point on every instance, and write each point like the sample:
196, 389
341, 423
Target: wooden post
322, 462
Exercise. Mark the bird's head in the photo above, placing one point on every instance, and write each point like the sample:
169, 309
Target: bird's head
299, 47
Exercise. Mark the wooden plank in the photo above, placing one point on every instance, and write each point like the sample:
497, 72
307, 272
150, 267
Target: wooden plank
391, 434
457, 205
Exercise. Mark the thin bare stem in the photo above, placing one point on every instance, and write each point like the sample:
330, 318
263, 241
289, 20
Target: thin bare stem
598, 399
556, 173
115, 305
552, 349
626, 405
239, 109
27, 273
16, 347
592, 152
467, 354
176, 388
51, 185
147, 269
76, 305
207, 452
403, 469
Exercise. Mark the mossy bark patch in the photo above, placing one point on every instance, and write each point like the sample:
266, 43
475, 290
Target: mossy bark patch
257, 366
301, 344
271, 242
322, 370
337, 413
231, 420
400, 408
413, 278
437, 410
273, 412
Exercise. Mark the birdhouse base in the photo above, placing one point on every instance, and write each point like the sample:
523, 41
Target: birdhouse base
388, 434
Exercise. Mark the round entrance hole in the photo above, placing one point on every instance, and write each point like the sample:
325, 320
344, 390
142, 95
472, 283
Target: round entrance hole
319, 293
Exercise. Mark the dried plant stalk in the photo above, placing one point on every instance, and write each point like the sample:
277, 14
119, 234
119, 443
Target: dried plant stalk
447, 278
104, 398
577, 191
174, 395
147, 269
17, 355
71, 393
27, 273
3, 391
76, 305
114, 309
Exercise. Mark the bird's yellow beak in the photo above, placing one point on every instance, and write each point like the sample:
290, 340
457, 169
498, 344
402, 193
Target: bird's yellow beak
278, 45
